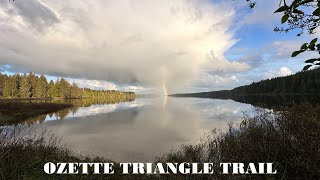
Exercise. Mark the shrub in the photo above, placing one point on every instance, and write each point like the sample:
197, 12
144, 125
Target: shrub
289, 138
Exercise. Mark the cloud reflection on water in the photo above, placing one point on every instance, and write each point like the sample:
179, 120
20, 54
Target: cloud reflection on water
140, 130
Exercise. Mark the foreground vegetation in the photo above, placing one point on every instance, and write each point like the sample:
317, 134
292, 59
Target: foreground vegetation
23, 153
288, 138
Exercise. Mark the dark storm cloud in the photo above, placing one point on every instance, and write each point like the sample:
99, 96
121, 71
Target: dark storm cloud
32, 11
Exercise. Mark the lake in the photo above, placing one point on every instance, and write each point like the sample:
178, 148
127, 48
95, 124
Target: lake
141, 129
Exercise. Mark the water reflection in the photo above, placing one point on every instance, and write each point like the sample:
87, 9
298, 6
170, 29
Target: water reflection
89, 111
264, 101
140, 130
81, 107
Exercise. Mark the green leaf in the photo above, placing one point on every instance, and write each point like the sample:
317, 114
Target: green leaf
252, 5
306, 1
282, 8
298, 11
306, 67
311, 47
304, 46
313, 41
295, 53
295, 2
316, 12
311, 60
284, 18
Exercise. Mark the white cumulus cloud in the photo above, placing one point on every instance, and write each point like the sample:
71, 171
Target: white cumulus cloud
122, 41
283, 71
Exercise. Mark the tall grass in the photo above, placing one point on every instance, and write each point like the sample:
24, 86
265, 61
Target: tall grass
23, 154
289, 138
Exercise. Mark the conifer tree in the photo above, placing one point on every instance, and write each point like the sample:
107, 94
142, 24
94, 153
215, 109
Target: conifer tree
52, 90
13, 85
63, 88
74, 91
41, 88
3, 79
33, 81
25, 87
31, 86
6, 88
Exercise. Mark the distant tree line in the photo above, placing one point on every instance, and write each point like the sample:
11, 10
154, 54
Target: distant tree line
31, 86
305, 82
301, 83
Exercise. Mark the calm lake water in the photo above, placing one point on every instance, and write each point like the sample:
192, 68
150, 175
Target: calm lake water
142, 129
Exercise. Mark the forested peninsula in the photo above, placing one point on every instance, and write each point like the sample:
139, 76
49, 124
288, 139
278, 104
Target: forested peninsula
28, 96
299, 85
32, 86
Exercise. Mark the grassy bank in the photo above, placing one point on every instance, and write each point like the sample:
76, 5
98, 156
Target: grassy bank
23, 154
288, 138
12, 111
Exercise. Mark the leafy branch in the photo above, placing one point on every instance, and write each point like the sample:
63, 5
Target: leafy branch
303, 15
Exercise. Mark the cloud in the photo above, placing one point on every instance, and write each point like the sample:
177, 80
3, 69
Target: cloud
105, 85
263, 13
123, 41
209, 81
94, 84
33, 12
271, 53
253, 60
284, 49
283, 71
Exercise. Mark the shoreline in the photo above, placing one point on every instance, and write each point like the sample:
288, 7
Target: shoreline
38, 99
14, 111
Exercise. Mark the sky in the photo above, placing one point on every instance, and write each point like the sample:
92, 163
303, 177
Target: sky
142, 45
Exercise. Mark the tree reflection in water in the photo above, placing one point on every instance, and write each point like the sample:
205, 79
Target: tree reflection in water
77, 103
